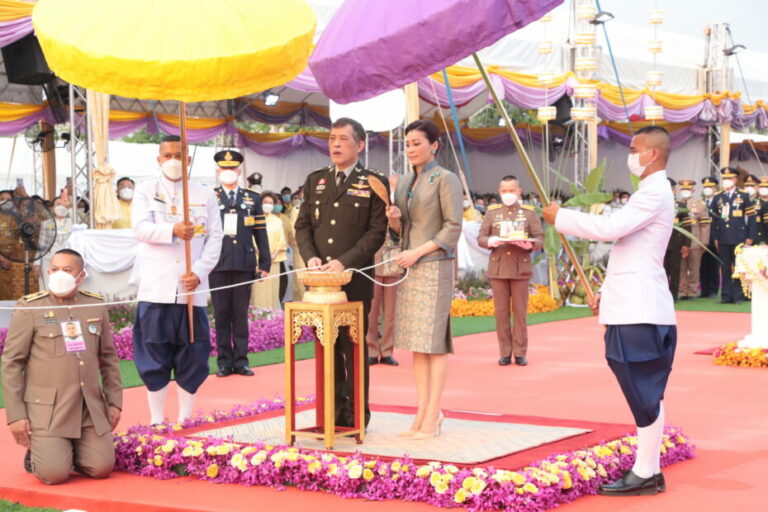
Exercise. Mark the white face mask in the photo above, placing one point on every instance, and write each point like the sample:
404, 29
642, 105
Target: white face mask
623, 200
509, 199
267, 207
228, 177
708, 192
467, 204
763, 191
750, 190
728, 184
60, 211
686, 194
61, 283
172, 169
633, 163
126, 194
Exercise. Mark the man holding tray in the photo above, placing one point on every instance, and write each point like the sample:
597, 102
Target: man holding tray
511, 231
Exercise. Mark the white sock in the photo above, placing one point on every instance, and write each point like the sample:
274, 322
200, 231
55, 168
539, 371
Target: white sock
156, 400
186, 404
647, 462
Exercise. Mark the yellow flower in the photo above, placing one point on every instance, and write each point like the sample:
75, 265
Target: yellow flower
435, 478
567, 480
260, 457
423, 472
370, 464
395, 466
517, 478
239, 462
625, 450
248, 450
368, 475
212, 471
333, 469
680, 439
468, 482
169, 446
586, 473
602, 451
139, 449
314, 467
158, 460
478, 487
529, 487
601, 471
446, 478
451, 469
441, 487
176, 427
405, 468
460, 496
355, 471
384, 470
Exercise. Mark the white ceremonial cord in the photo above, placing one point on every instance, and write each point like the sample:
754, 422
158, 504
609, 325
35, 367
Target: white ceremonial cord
360, 271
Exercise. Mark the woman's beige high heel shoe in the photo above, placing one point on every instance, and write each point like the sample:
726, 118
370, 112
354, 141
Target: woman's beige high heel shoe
420, 436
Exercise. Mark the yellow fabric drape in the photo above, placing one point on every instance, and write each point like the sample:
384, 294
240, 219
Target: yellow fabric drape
277, 137
194, 123
126, 115
11, 10
14, 112
104, 201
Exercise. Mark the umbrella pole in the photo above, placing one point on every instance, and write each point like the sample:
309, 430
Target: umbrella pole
532, 173
185, 188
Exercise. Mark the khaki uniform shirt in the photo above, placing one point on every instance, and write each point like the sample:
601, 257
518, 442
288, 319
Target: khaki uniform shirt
700, 221
46, 384
509, 261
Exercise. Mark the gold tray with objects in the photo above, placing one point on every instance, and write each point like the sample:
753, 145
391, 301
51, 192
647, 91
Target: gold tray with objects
324, 287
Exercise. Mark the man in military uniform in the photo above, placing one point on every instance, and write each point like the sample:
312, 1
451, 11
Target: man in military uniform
679, 244
733, 224
761, 208
509, 267
53, 360
341, 225
700, 226
243, 222
750, 186
710, 267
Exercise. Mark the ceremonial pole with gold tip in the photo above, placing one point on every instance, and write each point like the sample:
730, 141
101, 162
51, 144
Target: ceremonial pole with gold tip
532, 174
185, 199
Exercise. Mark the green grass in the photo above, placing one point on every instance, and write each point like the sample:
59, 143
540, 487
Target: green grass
131, 376
9, 506
712, 305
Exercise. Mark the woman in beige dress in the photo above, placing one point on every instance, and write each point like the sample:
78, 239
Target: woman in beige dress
266, 294
427, 215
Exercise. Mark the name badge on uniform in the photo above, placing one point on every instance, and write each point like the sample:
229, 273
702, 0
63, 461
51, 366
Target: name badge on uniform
738, 213
230, 224
725, 213
172, 213
50, 318
249, 221
73, 336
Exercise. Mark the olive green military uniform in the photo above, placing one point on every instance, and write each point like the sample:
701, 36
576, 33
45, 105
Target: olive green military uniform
58, 390
509, 271
700, 224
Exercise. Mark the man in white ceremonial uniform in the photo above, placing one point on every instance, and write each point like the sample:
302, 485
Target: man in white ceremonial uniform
160, 332
635, 303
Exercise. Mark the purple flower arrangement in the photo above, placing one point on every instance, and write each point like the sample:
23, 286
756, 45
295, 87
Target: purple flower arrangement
162, 453
3, 335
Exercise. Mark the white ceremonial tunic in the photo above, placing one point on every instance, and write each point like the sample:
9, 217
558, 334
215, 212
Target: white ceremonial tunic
635, 290
161, 254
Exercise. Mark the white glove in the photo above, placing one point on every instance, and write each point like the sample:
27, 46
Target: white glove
494, 241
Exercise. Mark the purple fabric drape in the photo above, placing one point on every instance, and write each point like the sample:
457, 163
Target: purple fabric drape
119, 129
193, 136
19, 125
12, 31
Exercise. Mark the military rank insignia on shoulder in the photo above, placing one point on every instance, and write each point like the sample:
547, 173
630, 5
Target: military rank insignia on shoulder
92, 294
35, 296
529, 207
494, 207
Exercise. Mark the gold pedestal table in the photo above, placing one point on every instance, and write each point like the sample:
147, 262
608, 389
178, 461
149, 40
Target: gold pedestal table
326, 311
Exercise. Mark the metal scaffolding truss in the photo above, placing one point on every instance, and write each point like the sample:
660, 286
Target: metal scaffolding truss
81, 152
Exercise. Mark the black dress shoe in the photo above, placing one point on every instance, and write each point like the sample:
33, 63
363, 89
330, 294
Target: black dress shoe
521, 360
661, 484
391, 361
725, 302
631, 485
505, 361
372, 361
224, 372
28, 461
244, 371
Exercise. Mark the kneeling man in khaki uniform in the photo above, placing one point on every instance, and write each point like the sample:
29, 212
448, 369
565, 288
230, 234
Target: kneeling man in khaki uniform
51, 364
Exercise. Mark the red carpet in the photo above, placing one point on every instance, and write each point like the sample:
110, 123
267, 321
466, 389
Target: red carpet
722, 408
707, 351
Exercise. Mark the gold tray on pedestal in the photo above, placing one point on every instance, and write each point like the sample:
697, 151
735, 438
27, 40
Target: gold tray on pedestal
324, 287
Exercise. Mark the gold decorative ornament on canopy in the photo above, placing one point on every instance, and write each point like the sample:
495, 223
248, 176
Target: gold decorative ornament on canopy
185, 50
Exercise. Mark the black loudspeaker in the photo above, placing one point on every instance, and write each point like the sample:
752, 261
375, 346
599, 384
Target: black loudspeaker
563, 106
57, 96
25, 63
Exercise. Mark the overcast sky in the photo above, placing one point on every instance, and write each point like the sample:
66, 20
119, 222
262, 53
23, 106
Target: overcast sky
746, 17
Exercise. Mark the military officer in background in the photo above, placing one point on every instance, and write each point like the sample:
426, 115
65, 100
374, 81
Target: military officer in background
761, 208
53, 360
750, 186
700, 227
710, 268
733, 224
341, 225
679, 244
510, 269
243, 224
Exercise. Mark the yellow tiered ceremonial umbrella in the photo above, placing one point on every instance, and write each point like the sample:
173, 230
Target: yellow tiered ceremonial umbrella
185, 50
